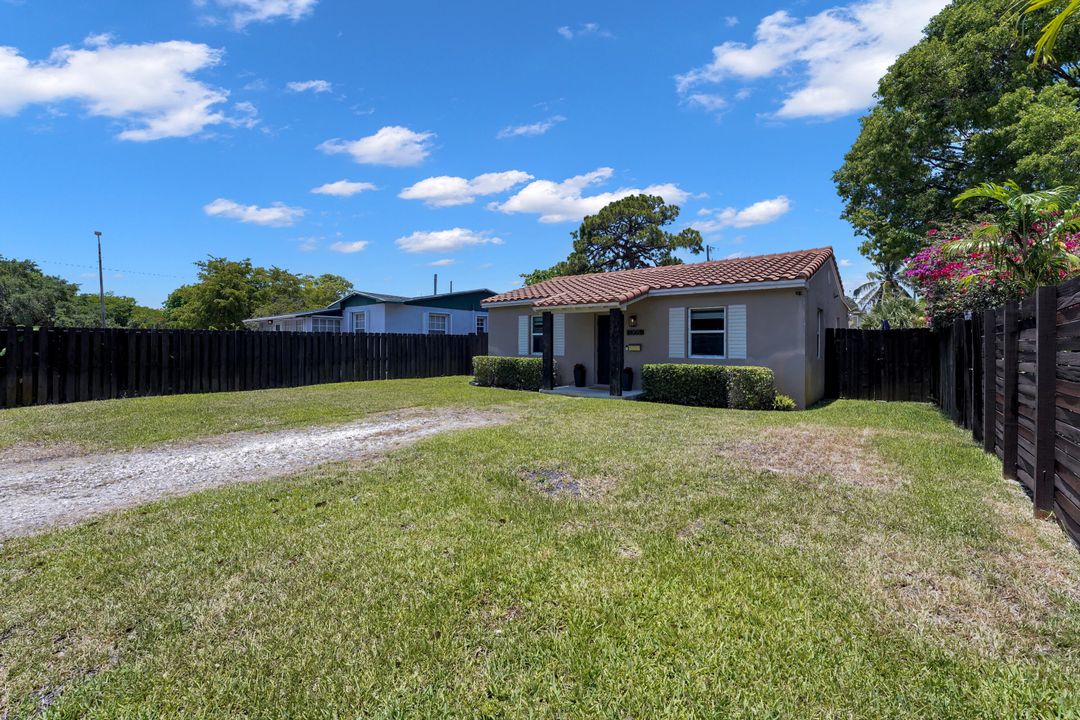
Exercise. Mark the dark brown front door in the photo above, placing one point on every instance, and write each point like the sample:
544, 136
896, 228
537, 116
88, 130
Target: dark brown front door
603, 349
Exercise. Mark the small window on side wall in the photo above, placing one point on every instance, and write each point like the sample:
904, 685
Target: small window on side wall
438, 324
708, 332
359, 322
481, 324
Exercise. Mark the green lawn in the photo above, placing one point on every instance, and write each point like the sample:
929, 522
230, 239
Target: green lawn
878, 568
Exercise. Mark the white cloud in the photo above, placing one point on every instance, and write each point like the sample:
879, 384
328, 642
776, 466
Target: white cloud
844, 262
308, 244
241, 13
445, 240
277, 215
532, 129
564, 201
441, 263
731, 21
838, 54
343, 188
348, 247
447, 190
148, 87
316, 86
583, 30
707, 101
392, 145
760, 213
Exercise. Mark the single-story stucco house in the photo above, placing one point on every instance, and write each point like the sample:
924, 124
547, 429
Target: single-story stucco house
452, 313
767, 310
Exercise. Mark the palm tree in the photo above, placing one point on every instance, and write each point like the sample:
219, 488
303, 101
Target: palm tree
887, 280
1028, 238
1044, 46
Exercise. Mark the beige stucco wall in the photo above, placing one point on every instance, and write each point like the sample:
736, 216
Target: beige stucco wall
781, 333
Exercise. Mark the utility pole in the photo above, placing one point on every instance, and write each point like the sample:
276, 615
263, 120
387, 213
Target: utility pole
708, 253
101, 278
435, 285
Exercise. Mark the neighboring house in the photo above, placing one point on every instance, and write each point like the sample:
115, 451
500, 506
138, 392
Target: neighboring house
452, 313
768, 310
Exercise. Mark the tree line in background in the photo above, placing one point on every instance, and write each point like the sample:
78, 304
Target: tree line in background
224, 295
962, 179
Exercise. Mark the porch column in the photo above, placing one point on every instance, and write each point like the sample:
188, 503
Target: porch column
547, 378
616, 351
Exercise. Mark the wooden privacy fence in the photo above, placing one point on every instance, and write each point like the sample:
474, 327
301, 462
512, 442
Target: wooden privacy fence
881, 364
62, 365
1011, 375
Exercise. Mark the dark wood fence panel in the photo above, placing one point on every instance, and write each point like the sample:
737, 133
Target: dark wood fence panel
63, 365
880, 364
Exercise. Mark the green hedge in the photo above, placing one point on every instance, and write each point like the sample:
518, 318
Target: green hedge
682, 384
515, 373
746, 388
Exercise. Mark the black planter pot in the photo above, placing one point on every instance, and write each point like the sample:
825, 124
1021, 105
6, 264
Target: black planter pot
579, 375
627, 379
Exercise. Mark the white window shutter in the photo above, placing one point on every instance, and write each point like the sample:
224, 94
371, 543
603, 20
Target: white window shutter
736, 332
559, 322
676, 332
523, 334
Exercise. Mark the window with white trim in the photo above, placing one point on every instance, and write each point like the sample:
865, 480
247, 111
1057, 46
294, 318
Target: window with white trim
481, 324
358, 322
438, 324
319, 324
708, 332
537, 334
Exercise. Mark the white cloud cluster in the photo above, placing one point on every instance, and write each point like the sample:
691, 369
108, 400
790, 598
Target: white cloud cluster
840, 54
348, 247
583, 30
445, 240
242, 13
149, 87
760, 213
565, 201
343, 188
447, 190
315, 86
392, 145
530, 130
277, 215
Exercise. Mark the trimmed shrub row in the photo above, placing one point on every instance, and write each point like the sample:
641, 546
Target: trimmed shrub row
508, 372
730, 386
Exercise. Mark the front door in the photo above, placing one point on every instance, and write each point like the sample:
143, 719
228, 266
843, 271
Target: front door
603, 349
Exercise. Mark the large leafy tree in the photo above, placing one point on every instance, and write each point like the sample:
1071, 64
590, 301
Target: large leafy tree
229, 291
963, 106
625, 234
29, 296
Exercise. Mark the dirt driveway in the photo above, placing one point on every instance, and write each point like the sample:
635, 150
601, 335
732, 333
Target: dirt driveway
36, 494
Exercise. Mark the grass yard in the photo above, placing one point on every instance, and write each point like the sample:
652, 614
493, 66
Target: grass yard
588, 559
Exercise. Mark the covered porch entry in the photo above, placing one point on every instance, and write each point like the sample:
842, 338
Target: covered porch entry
609, 351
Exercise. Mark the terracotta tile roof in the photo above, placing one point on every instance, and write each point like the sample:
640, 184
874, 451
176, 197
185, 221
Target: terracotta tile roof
625, 285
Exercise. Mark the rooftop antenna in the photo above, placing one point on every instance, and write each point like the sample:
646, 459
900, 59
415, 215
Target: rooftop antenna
435, 288
451, 286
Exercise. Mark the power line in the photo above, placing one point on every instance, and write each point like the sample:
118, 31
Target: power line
94, 267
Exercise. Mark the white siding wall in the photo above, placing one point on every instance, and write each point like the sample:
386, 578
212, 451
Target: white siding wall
411, 319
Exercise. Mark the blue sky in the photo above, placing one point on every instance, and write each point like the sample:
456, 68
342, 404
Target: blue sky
388, 141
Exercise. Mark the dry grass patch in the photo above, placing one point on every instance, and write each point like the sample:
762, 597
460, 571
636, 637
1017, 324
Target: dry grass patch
1000, 600
806, 452
557, 483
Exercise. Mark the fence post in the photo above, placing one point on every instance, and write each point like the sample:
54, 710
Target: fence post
1045, 392
989, 378
1009, 405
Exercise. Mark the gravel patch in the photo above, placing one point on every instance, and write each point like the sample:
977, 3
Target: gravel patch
37, 493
